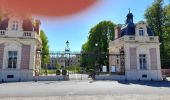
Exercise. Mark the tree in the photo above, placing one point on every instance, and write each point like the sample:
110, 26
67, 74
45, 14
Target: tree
100, 34
45, 49
166, 60
57, 65
157, 17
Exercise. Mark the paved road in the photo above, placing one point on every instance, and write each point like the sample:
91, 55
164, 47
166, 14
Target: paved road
101, 97
83, 88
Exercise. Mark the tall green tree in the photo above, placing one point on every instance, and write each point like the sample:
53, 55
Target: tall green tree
157, 17
45, 49
97, 43
166, 60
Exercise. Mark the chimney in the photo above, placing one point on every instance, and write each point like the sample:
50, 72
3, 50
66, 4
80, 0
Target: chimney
37, 26
117, 31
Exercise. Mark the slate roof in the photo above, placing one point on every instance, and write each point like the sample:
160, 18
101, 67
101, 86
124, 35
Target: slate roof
129, 28
27, 25
4, 24
150, 32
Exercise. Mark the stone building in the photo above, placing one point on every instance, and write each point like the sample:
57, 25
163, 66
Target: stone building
59, 59
20, 47
64, 61
138, 51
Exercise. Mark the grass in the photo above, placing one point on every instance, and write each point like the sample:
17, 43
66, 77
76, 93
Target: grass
74, 69
49, 71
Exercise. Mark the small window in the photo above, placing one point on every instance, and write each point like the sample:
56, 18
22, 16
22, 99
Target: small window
15, 25
12, 59
144, 76
142, 61
10, 76
141, 32
117, 60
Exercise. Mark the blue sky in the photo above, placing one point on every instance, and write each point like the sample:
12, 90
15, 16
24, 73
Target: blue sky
75, 28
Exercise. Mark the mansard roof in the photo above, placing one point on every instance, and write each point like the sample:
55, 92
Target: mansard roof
129, 27
4, 24
150, 32
27, 25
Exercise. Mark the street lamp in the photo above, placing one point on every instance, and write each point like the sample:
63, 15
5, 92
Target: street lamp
96, 62
96, 44
67, 51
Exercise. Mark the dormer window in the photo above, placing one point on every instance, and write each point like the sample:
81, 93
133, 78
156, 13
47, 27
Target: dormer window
15, 25
141, 32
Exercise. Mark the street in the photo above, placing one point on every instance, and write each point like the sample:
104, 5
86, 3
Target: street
84, 88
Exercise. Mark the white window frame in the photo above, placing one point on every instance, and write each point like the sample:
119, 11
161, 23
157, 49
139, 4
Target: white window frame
141, 31
14, 58
15, 25
143, 61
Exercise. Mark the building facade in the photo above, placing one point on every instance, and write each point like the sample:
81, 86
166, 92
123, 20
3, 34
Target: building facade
64, 61
20, 47
56, 59
138, 49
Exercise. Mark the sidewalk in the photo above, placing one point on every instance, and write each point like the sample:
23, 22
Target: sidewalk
168, 78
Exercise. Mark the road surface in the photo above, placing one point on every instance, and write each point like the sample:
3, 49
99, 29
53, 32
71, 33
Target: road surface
62, 90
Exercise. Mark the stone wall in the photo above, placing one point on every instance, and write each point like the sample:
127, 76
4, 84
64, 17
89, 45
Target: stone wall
110, 77
153, 59
51, 78
1, 55
133, 59
25, 57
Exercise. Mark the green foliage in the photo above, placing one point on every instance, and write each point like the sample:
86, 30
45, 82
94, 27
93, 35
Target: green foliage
158, 18
166, 57
45, 49
75, 69
64, 72
58, 72
155, 16
100, 34
57, 65
47, 71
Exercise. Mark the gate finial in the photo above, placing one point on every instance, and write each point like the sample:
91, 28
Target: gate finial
129, 10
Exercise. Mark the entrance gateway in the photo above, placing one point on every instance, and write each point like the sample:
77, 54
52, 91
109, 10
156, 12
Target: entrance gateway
70, 61
134, 52
20, 49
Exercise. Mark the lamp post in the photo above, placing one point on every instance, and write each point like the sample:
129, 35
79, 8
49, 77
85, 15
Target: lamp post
96, 62
96, 44
67, 51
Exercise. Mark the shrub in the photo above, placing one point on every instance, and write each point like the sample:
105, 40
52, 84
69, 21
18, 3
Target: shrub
58, 72
64, 72
91, 70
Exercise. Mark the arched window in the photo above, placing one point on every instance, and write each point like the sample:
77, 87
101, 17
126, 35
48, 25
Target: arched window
15, 25
141, 32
